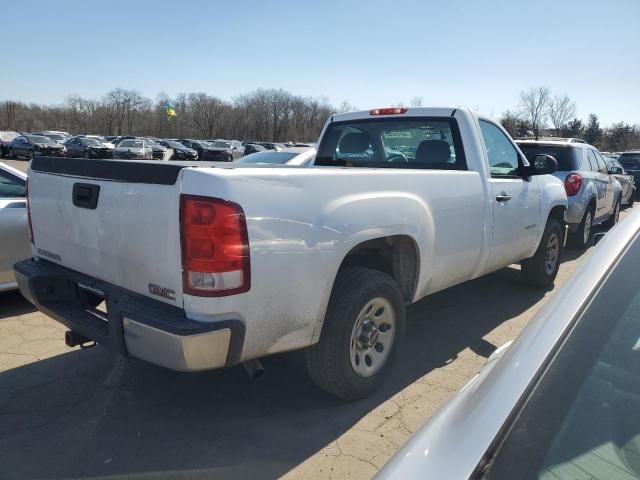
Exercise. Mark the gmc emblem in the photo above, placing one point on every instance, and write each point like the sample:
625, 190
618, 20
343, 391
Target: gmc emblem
162, 292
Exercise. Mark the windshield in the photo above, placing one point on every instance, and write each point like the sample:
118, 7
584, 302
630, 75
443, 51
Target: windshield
56, 136
268, 157
222, 144
90, 141
568, 158
173, 144
8, 136
40, 139
411, 142
131, 143
582, 419
630, 160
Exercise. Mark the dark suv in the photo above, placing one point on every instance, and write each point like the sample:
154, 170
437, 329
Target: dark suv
630, 160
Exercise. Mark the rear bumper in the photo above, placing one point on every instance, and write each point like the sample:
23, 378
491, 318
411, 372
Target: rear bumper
134, 325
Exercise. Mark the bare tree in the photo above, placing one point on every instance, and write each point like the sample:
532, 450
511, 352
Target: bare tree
509, 121
560, 110
534, 103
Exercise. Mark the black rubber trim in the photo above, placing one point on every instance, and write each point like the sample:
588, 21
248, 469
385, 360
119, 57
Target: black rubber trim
453, 114
131, 171
54, 290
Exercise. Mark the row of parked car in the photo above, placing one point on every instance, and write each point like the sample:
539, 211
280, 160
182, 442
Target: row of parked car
56, 143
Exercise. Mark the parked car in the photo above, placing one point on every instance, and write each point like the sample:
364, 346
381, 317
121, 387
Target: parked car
180, 152
210, 282
31, 146
56, 136
560, 402
594, 195
630, 160
133, 148
205, 150
627, 181
250, 148
14, 236
85, 147
227, 150
5, 139
288, 156
160, 152
101, 139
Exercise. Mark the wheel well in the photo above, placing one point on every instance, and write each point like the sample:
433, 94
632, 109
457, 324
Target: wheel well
396, 255
557, 213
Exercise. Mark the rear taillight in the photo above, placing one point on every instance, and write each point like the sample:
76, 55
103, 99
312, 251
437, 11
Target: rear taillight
388, 111
26, 193
215, 247
572, 184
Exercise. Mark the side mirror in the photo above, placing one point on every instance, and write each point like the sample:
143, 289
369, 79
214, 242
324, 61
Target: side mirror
543, 164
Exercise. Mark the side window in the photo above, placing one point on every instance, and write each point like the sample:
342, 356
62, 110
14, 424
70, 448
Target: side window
602, 167
601, 163
502, 155
591, 162
10, 186
592, 159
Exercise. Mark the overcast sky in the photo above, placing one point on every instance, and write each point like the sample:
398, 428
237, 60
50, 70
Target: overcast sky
371, 53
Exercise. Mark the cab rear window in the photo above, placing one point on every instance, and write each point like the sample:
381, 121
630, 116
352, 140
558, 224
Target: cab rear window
410, 142
569, 158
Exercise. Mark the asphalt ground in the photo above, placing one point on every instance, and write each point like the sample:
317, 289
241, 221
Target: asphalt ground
72, 413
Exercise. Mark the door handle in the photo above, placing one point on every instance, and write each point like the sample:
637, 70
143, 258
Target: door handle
503, 197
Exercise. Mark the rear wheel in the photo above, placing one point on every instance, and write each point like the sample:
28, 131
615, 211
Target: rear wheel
363, 329
615, 216
541, 269
582, 237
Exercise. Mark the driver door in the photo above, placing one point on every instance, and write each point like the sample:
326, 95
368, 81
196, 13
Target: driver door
515, 201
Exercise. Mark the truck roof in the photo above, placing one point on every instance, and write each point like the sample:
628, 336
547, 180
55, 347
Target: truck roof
407, 112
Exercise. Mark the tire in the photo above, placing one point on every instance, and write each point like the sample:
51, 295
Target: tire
86, 154
581, 239
11, 154
33, 155
359, 297
615, 216
541, 269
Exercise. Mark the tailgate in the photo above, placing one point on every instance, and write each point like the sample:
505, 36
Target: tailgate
117, 221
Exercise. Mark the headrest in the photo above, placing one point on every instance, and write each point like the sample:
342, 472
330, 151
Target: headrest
355, 142
433, 151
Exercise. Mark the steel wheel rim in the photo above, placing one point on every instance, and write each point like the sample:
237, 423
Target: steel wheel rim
587, 226
552, 253
372, 337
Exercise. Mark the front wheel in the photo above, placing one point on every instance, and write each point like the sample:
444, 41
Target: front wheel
362, 332
541, 269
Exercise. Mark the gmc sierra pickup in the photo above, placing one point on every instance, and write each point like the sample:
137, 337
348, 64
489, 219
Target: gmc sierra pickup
194, 266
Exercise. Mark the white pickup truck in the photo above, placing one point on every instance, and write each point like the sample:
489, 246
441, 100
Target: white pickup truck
195, 266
